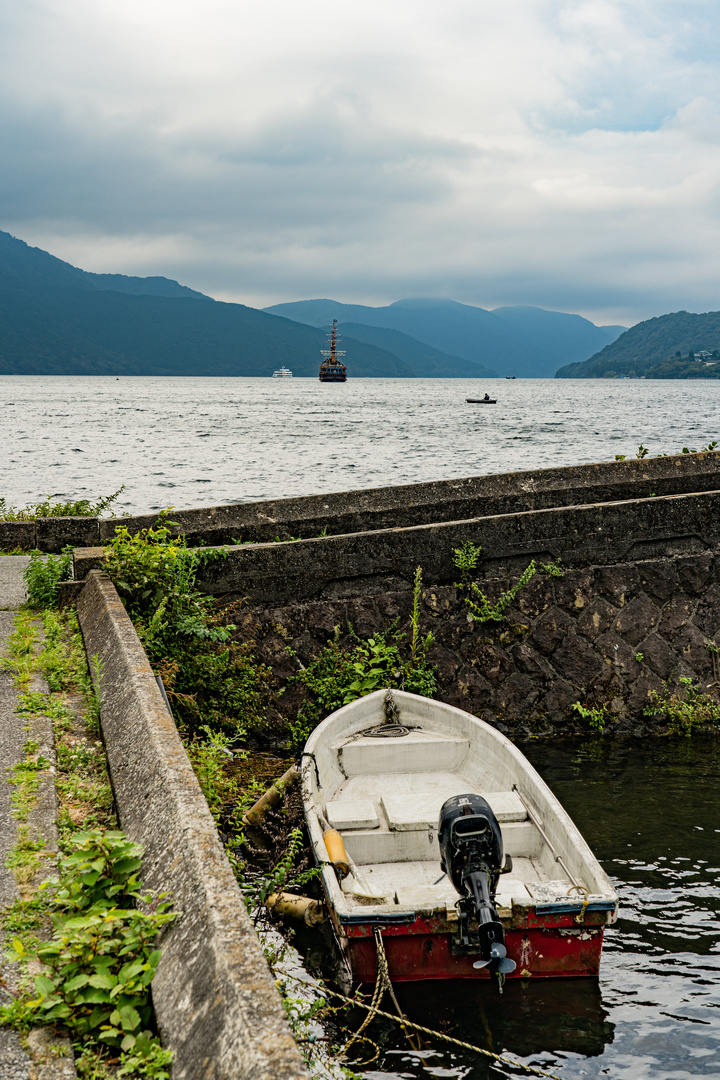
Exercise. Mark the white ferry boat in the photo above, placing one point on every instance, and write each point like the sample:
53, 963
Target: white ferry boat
282, 373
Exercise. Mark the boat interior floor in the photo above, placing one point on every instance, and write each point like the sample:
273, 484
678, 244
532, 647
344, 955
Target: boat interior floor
388, 821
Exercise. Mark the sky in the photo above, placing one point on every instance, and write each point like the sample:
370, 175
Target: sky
558, 154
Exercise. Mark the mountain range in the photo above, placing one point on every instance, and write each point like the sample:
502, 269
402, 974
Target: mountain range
56, 319
523, 341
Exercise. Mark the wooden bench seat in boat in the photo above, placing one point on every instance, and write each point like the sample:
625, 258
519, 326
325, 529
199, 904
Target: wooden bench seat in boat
421, 811
383, 845
351, 814
405, 813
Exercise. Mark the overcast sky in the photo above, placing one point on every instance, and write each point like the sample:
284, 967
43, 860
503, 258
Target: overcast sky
565, 155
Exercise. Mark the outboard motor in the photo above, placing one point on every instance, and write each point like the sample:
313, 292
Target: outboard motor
471, 854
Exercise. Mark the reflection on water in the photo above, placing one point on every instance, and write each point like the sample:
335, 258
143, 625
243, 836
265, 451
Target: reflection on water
650, 811
524, 1021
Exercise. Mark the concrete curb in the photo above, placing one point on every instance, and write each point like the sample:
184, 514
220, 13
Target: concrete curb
371, 562
216, 1003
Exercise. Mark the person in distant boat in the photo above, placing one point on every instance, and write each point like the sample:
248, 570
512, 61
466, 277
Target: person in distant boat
486, 398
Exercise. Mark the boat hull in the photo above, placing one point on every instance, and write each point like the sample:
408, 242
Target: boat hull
418, 951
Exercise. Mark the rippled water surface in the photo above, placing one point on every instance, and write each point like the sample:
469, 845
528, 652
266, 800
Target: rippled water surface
200, 442
650, 811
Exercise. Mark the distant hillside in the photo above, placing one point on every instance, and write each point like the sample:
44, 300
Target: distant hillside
518, 341
655, 349
142, 286
58, 320
29, 267
555, 336
426, 362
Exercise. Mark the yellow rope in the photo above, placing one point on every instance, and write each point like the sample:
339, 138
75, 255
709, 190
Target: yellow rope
381, 984
580, 917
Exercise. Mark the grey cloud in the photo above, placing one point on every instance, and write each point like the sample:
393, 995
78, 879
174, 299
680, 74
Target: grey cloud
586, 180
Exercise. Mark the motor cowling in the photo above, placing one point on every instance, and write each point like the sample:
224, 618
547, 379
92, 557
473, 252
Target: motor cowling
471, 854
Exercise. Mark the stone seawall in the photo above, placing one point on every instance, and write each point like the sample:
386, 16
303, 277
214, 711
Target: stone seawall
405, 505
638, 605
604, 634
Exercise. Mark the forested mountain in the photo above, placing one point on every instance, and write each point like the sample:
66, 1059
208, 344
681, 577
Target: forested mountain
425, 361
58, 320
28, 267
557, 336
522, 341
656, 349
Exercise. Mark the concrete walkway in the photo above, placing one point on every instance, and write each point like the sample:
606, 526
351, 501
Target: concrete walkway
12, 586
15, 1062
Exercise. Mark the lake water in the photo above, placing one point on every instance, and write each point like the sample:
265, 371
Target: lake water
649, 810
201, 442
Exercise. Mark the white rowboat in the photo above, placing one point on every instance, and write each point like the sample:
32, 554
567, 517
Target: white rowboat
382, 789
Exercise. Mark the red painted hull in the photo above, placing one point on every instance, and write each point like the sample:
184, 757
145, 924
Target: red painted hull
545, 947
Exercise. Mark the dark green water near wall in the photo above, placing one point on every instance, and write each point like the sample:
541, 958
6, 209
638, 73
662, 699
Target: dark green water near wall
650, 810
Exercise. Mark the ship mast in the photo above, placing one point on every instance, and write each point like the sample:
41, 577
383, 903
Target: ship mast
333, 354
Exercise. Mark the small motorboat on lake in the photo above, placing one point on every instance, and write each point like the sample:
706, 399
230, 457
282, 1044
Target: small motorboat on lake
487, 400
440, 846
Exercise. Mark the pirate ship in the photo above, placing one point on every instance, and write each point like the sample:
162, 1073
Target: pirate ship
332, 369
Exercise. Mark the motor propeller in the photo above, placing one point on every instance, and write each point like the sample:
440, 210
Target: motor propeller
471, 851
498, 956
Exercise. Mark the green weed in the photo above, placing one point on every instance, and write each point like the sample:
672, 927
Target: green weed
687, 710
209, 752
24, 858
210, 679
338, 676
99, 963
595, 716
703, 449
257, 888
48, 508
23, 646
466, 559
43, 575
642, 451
25, 780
